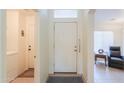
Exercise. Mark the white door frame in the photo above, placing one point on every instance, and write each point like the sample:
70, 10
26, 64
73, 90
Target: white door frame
37, 62
3, 72
77, 44
51, 42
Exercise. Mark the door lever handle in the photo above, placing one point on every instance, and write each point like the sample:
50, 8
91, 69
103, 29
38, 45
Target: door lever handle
79, 45
34, 56
29, 49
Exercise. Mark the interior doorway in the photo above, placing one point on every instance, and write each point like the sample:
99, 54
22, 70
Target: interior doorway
108, 40
21, 46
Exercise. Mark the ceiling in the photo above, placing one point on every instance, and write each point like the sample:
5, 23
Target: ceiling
109, 15
30, 11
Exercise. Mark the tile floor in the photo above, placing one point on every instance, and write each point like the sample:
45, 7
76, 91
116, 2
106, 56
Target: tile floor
104, 74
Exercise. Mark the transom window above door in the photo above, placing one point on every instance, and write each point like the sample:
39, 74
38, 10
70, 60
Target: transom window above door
65, 13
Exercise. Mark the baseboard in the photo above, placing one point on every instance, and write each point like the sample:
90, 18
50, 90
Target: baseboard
85, 81
47, 79
65, 72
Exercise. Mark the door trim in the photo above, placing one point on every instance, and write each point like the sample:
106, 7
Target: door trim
51, 37
76, 43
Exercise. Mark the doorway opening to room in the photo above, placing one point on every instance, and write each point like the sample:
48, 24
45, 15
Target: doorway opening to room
108, 46
21, 46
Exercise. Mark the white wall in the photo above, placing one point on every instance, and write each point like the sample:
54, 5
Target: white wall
88, 56
90, 36
84, 47
12, 44
117, 33
22, 41
15, 44
2, 45
12, 30
43, 46
12, 66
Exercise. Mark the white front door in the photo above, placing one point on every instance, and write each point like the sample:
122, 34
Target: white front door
65, 46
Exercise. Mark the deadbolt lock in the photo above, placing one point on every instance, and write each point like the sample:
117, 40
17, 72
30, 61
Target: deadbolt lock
29, 49
75, 50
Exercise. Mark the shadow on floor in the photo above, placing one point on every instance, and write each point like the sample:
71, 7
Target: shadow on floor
28, 73
26, 77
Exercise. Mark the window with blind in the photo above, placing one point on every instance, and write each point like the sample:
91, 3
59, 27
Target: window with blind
103, 40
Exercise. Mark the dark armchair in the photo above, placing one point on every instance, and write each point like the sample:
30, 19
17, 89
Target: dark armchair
115, 59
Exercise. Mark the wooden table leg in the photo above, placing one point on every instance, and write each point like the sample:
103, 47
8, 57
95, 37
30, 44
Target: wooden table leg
105, 62
95, 59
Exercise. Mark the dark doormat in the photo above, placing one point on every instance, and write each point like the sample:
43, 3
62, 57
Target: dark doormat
28, 73
63, 79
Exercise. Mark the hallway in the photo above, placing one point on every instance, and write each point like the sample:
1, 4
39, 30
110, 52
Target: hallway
20, 45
